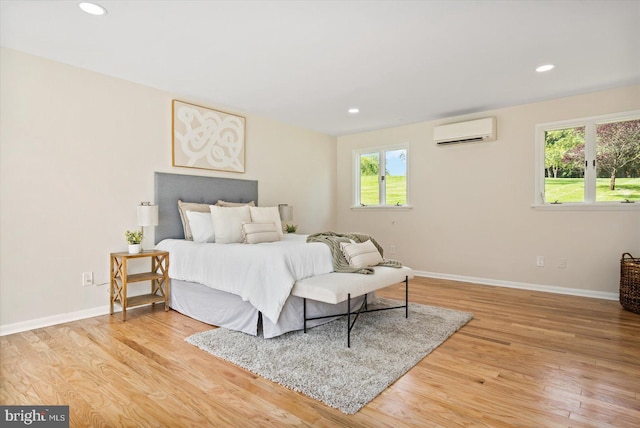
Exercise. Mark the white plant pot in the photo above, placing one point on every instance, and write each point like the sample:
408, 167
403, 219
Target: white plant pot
135, 248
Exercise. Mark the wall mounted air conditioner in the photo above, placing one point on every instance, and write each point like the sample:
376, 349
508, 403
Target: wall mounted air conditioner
466, 132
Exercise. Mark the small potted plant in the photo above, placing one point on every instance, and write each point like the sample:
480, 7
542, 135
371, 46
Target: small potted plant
291, 228
134, 239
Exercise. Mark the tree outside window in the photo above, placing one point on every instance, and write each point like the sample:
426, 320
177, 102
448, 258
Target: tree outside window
369, 179
592, 160
618, 157
564, 165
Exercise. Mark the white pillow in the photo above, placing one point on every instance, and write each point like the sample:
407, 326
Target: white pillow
361, 255
227, 223
267, 215
183, 207
201, 225
255, 233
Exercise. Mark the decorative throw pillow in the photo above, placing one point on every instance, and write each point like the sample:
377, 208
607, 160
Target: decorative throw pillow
361, 255
227, 223
267, 215
222, 203
255, 233
201, 225
183, 207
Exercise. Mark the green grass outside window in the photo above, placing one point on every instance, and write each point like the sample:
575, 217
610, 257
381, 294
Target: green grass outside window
396, 190
572, 190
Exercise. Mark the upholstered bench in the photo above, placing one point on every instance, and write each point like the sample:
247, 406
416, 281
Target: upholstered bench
337, 287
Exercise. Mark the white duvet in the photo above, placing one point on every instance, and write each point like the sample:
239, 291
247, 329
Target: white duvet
263, 274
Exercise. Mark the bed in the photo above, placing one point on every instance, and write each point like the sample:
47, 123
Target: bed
252, 281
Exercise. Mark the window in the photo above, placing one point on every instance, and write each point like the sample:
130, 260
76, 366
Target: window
589, 161
381, 176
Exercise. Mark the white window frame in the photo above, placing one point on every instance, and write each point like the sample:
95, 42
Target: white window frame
589, 123
381, 183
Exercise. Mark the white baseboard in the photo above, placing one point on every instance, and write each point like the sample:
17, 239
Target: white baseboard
521, 285
104, 310
19, 327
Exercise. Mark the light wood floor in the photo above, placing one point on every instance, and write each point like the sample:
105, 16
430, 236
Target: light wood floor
527, 359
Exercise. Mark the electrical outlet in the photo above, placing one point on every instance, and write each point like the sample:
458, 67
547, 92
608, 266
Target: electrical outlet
540, 261
562, 263
392, 249
87, 278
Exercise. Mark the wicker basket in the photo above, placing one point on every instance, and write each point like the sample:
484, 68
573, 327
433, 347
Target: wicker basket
630, 283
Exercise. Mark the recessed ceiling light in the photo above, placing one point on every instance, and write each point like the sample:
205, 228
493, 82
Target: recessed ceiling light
354, 110
92, 8
544, 68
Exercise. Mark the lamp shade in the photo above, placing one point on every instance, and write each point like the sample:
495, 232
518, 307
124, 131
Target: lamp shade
147, 214
286, 212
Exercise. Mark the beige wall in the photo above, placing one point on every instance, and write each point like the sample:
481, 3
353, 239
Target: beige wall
78, 153
472, 214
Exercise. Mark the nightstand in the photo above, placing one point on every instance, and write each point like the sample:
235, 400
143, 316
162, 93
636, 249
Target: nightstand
159, 277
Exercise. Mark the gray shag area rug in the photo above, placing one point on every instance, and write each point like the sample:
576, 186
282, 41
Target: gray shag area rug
384, 346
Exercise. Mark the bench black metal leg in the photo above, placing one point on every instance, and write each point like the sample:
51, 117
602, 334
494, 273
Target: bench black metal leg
406, 297
363, 309
349, 320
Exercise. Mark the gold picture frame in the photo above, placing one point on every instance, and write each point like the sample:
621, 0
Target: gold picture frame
207, 139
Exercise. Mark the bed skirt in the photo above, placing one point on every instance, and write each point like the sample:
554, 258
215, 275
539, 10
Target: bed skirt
227, 310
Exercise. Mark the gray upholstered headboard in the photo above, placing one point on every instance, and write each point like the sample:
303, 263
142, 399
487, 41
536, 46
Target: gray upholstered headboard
191, 188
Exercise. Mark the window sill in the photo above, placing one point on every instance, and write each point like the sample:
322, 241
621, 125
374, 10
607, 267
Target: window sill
602, 206
383, 208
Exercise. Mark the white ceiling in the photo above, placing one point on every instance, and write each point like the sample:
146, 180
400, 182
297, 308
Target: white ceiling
306, 62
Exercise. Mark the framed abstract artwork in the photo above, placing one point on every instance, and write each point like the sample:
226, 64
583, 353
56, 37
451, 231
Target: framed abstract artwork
207, 139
